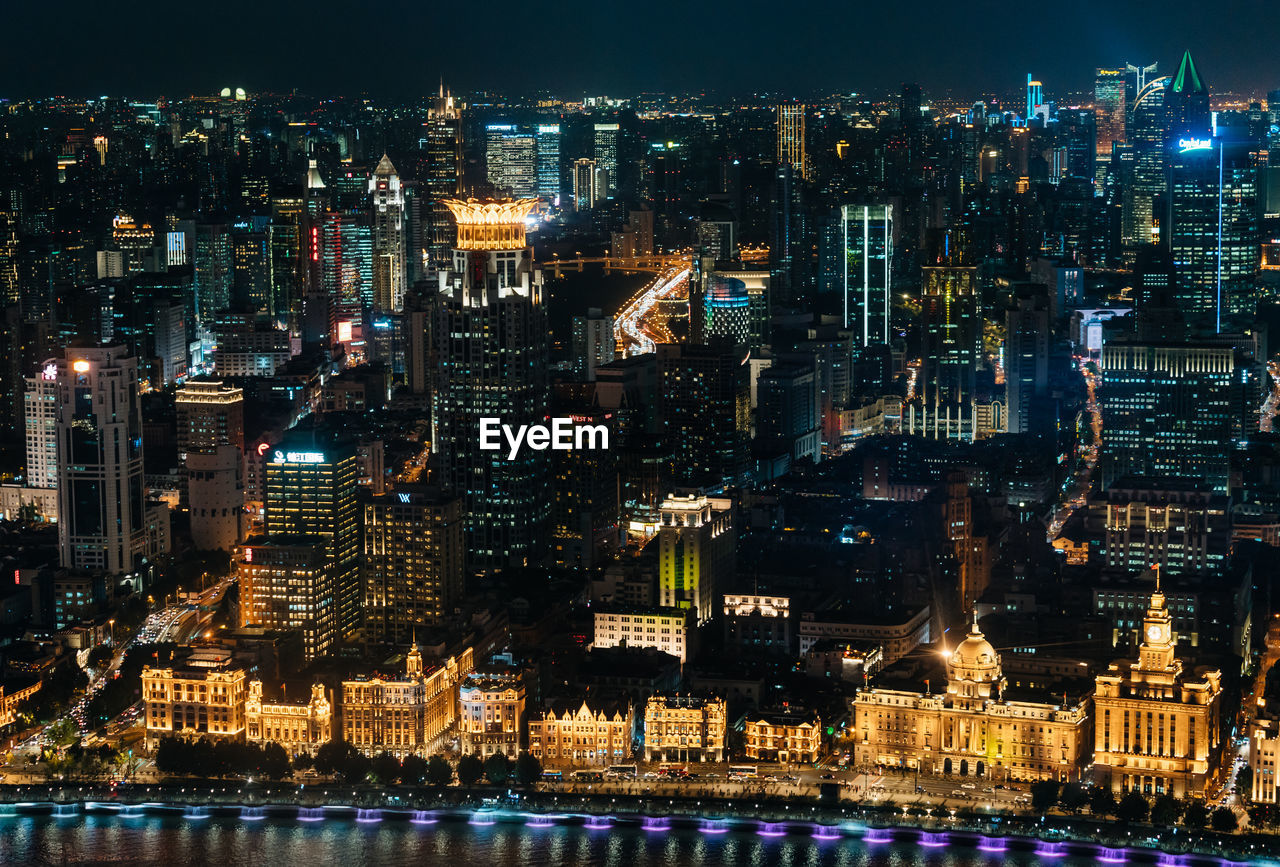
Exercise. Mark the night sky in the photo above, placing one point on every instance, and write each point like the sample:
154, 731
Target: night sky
401, 49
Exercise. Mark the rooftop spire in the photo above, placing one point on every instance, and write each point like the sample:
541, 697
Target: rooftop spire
385, 167
1188, 79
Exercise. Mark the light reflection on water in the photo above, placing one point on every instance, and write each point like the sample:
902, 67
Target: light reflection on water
227, 842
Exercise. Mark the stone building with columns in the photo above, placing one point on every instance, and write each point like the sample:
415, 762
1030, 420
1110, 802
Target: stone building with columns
974, 726
1158, 726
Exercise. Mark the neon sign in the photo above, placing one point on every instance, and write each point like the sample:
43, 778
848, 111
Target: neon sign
298, 457
1194, 144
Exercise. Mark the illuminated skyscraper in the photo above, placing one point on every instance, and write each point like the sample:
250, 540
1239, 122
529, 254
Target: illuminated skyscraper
1035, 97
1140, 224
705, 394
211, 448
791, 138
490, 333
606, 154
547, 139
1170, 409
1109, 113
388, 238
440, 178
1213, 228
310, 491
100, 485
511, 159
413, 561
944, 403
40, 409
1186, 105
695, 553
588, 183
1026, 356
864, 251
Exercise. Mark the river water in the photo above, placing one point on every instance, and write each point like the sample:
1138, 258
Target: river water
254, 840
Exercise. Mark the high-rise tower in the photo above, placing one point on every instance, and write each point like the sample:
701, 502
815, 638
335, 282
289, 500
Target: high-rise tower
388, 238
490, 336
1109, 113
791, 138
440, 178
100, 487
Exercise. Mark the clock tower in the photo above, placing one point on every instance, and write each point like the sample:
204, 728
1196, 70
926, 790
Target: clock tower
1158, 640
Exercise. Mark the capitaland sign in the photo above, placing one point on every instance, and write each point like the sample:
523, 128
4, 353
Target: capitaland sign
297, 457
1195, 144
562, 435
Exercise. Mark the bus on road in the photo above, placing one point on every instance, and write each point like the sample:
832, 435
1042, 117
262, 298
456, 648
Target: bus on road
743, 772
622, 772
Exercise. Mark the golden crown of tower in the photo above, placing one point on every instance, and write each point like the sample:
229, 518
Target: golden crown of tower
490, 225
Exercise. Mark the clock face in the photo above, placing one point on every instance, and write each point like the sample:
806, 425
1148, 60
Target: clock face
1153, 632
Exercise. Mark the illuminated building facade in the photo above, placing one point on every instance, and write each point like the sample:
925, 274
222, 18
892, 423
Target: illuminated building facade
287, 582
666, 629
406, 715
1158, 727
943, 406
588, 184
491, 712
1109, 113
1264, 754
1169, 410
782, 737
211, 449
204, 697
705, 404
972, 728
414, 561
864, 247
388, 238
695, 552
1180, 524
758, 623
791, 138
310, 490
299, 728
684, 728
440, 179
606, 156
491, 342
101, 524
1140, 219
40, 411
511, 160
593, 734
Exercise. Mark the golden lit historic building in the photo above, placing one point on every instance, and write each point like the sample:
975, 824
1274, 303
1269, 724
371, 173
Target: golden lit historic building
1158, 729
492, 709
9, 701
783, 737
682, 728
299, 728
972, 728
205, 696
406, 715
595, 734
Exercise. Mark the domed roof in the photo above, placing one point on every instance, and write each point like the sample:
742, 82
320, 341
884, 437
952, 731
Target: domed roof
974, 658
974, 652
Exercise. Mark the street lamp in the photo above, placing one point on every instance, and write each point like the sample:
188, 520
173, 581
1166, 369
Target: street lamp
112, 625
